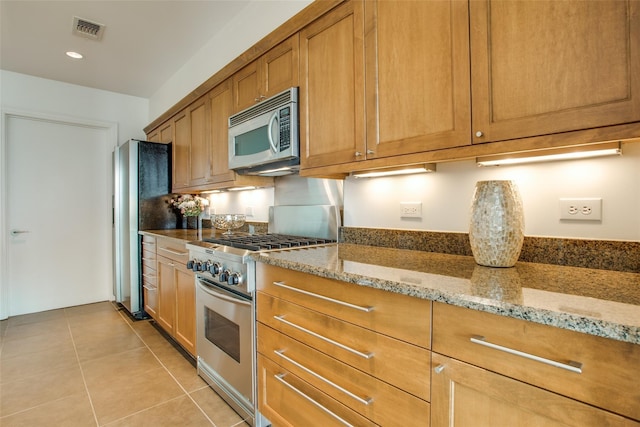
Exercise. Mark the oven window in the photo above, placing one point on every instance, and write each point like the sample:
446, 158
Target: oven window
223, 333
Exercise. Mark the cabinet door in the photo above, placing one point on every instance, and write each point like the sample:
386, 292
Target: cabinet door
547, 67
332, 88
246, 87
280, 67
199, 144
221, 107
166, 294
181, 147
467, 396
185, 320
417, 76
166, 132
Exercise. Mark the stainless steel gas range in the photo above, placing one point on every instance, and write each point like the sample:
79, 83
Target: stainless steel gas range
225, 297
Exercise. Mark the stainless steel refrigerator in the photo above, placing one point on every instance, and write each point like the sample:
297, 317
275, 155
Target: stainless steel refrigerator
142, 185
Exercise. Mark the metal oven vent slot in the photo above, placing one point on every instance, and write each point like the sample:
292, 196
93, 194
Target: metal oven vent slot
87, 29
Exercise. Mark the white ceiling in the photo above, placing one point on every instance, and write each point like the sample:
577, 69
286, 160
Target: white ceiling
144, 42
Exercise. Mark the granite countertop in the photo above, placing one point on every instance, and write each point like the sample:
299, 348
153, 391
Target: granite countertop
597, 302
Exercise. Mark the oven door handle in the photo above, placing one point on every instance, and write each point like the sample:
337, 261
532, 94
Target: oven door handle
222, 294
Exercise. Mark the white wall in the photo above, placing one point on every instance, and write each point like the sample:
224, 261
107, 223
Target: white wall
446, 196
23, 92
255, 21
258, 201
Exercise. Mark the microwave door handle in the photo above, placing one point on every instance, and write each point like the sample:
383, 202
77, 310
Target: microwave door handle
272, 120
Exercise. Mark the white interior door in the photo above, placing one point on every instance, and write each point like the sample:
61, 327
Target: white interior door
58, 205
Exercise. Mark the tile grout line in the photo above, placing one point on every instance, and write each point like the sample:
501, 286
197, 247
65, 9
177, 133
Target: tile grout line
167, 369
84, 380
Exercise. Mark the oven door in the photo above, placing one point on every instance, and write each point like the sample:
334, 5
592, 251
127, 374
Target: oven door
224, 338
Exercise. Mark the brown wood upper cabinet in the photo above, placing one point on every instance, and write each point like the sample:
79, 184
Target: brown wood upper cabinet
331, 87
417, 76
406, 65
382, 81
541, 68
191, 146
273, 72
162, 133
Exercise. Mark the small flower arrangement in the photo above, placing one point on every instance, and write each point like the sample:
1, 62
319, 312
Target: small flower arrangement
189, 205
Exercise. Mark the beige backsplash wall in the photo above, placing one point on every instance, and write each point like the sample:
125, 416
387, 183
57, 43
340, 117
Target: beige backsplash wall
446, 197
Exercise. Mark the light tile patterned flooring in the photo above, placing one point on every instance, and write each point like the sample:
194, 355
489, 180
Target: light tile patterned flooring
92, 365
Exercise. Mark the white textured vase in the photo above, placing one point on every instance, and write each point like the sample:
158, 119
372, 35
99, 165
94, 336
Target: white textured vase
496, 231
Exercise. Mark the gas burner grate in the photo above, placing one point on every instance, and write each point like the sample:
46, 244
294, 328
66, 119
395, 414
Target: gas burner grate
259, 242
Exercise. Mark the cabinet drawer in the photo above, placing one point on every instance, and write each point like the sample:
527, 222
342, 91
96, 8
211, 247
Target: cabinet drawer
148, 259
384, 357
175, 250
375, 399
608, 369
286, 400
396, 315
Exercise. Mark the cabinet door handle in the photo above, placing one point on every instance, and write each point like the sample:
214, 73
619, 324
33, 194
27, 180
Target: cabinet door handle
280, 377
364, 401
571, 366
322, 297
329, 340
150, 288
174, 252
148, 276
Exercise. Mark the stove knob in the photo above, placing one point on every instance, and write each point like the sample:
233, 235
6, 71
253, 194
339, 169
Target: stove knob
190, 264
197, 266
224, 276
205, 266
215, 268
234, 279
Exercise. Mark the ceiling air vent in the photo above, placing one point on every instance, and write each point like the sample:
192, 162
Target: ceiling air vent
87, 29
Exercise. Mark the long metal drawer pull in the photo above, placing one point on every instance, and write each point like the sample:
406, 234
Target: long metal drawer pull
364, 401
571, 366
174, 252
322, 297
329, 340
148, 276
280, 377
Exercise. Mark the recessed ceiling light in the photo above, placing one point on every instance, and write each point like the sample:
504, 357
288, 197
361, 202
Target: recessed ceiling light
74, 55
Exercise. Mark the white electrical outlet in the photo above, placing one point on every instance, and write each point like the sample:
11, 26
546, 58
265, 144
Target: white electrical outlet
410, 209
589, 209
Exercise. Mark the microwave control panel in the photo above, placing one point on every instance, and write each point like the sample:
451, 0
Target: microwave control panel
285, 128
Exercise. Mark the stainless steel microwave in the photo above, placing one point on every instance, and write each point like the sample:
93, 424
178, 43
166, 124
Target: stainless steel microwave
264, 138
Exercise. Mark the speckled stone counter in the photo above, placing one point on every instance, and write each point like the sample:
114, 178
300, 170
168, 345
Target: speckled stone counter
596, 302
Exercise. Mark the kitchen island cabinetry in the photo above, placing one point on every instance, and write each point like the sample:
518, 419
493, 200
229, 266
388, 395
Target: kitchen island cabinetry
149, 270
176, 293
272, 73
345, 349
537, 374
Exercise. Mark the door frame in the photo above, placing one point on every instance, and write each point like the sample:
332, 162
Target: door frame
112, 137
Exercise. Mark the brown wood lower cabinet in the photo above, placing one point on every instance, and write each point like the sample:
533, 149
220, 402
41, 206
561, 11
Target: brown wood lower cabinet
149, 276
494, 370
468, 396
176, 312
334, 353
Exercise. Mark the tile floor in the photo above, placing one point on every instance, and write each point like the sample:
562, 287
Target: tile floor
92, 366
